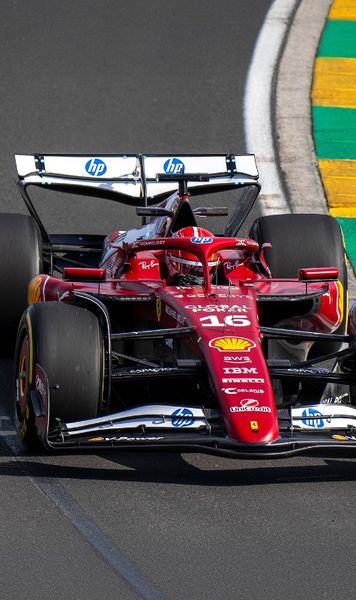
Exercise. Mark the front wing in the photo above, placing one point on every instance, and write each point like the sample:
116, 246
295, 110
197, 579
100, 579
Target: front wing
320, 427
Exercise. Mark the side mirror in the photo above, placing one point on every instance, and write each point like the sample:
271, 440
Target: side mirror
83, 274
318, 274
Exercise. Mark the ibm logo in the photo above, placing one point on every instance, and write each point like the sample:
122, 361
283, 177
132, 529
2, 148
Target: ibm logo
95, 167
173, 166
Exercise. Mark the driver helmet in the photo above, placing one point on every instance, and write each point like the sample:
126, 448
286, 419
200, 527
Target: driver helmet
185, 264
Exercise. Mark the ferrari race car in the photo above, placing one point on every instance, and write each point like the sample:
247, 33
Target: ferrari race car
168, 336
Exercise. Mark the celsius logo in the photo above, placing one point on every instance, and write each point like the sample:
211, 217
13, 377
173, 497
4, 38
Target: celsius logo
95, 167
182, 417
173, 166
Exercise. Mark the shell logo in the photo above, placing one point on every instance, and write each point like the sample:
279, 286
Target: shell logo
232, 344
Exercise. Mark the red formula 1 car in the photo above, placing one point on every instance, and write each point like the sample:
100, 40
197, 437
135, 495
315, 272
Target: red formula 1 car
168, 336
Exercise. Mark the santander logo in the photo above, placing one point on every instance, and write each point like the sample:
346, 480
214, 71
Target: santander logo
249, 402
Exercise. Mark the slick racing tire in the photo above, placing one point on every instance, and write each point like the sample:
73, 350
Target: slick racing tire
304, 240
20, 261
59, 353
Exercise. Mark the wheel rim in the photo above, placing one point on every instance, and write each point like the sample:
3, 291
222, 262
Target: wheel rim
22, 385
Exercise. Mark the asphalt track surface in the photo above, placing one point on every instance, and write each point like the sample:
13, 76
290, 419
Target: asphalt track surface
127, 77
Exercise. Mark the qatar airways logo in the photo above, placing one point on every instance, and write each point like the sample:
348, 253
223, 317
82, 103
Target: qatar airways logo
213, 308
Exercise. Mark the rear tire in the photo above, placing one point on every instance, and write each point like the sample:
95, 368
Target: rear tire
66, 342
305, 240
20, 261
301, 241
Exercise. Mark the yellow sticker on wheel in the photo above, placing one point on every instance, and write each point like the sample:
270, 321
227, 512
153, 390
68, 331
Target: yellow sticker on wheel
34, 294
158, 308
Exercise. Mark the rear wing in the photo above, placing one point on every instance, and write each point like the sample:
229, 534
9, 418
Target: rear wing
134, 178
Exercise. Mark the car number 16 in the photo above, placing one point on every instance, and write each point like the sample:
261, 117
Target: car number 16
232, 320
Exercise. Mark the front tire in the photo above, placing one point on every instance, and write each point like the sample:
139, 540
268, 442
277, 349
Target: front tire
65, 342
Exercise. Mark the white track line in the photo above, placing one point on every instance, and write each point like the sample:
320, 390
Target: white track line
258, 104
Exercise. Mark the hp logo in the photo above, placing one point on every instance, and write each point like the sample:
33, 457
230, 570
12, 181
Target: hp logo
173, 166
314, 422
182, 417
201, 240
95, 167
